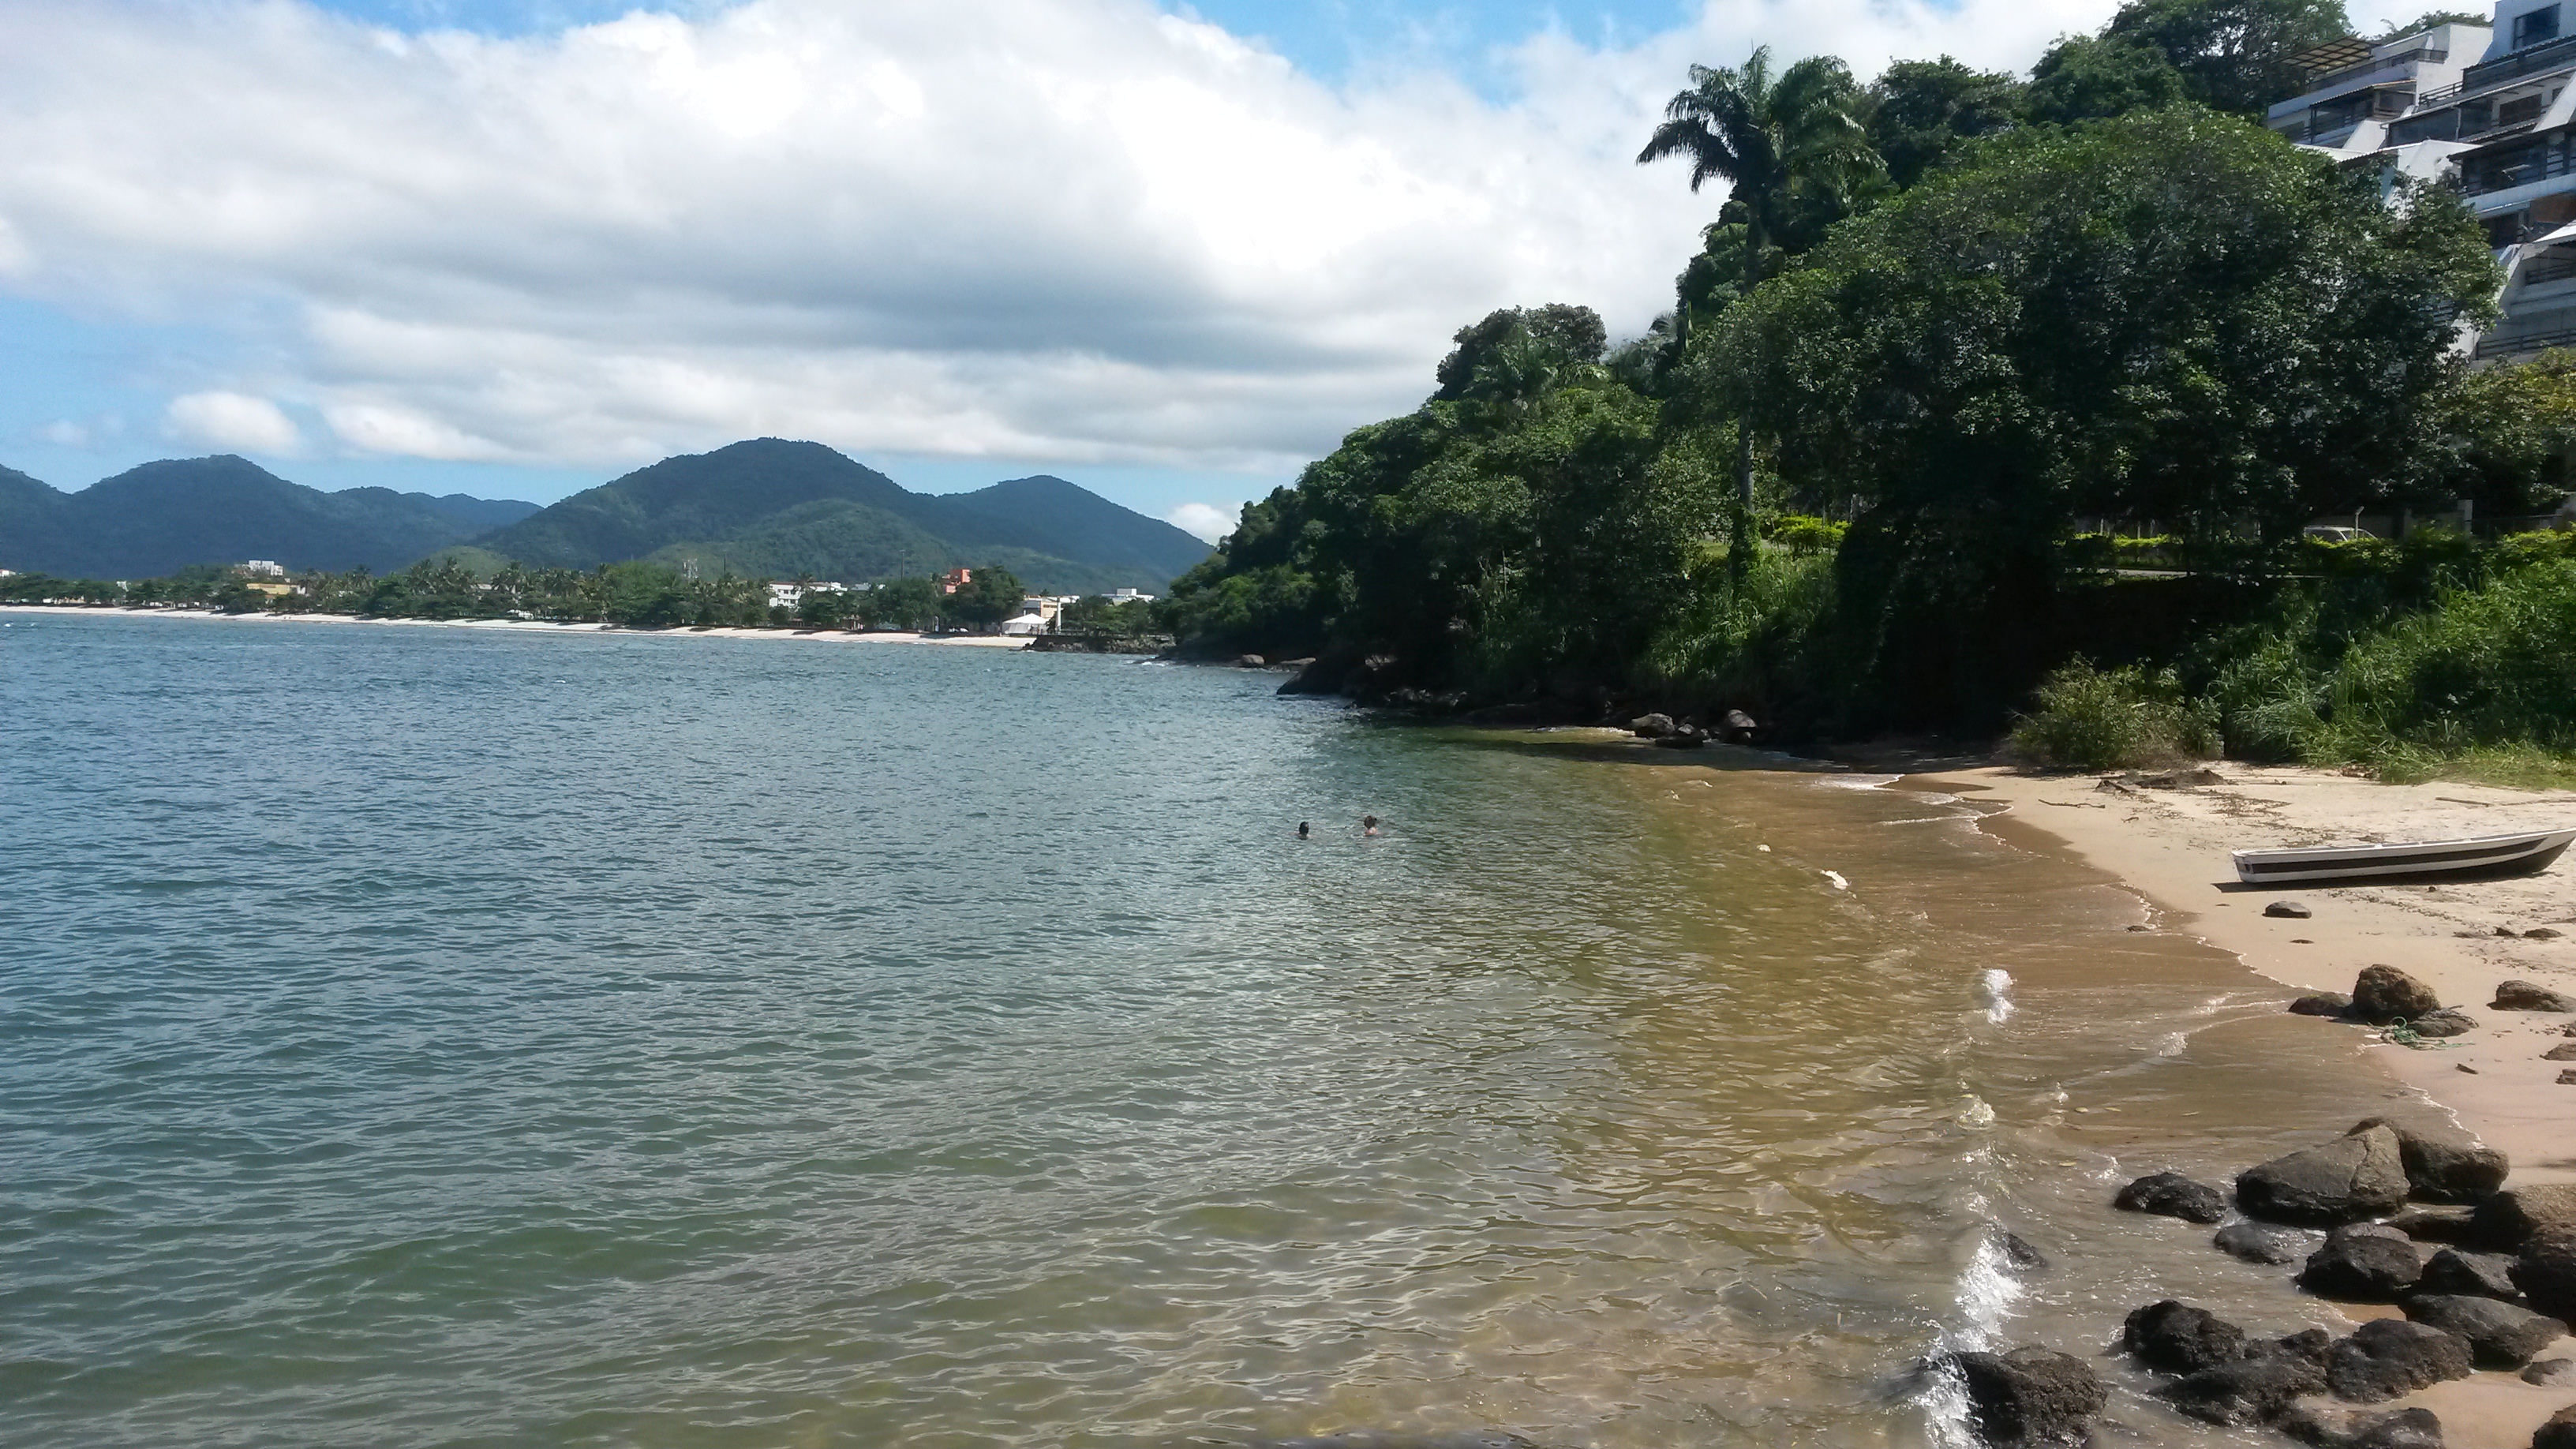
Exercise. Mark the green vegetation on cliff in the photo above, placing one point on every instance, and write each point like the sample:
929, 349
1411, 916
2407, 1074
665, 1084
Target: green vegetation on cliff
2095, 295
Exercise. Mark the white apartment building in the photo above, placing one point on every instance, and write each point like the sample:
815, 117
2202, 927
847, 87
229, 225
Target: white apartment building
2488, 107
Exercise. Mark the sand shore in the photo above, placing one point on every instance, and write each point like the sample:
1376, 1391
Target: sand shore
535, 626
2170, 846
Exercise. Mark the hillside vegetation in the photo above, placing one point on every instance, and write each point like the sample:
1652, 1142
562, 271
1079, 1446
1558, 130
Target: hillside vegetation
1940, 325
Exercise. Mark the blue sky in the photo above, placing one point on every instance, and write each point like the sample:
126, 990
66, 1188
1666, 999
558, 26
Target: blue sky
517, 247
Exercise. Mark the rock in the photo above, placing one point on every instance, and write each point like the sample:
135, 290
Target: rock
2359, 1176
2459, 1272
2529, 996
2507, 932
2264, 1243
1651, 726
2177, 1338
2563, 1052
2550, 1373
2443, 1163
2519, 1217
2172, 1195
2383, 994
2546, 1274
2389, 1358
2028, 1396
2338, 1429
2448, 1021
1684, 739
2499, 1335
2249, 1391
2567, 1078
1739, 727
2308, 1343
2018, 1256
2433, 1225
2291, 910
2541, 933
1251, 661
2323, 1003
2558, 1433
2363, 1264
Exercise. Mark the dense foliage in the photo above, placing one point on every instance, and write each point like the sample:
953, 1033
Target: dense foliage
1940, 323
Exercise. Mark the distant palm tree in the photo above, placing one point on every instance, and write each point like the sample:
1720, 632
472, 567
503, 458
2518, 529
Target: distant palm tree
1786, 148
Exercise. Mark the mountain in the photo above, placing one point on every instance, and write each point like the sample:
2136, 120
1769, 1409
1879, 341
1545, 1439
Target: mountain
779, 509
162, 517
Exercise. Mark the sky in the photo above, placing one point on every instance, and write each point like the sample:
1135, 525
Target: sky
515, 248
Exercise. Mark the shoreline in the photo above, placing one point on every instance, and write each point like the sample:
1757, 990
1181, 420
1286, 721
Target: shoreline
2169, 848
538, 626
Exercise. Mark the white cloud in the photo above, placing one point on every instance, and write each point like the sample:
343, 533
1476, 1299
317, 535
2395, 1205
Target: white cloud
1202, 520
233, 420
64, 433
1056, 231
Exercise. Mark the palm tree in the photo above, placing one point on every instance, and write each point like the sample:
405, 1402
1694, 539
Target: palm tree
1788, 149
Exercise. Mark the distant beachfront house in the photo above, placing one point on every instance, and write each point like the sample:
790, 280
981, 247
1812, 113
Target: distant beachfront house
1130, 596
2487, 107
788, 596
261, 568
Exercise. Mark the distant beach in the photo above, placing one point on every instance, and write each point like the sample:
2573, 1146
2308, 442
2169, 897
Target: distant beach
535, 626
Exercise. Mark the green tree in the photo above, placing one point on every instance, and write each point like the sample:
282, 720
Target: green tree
2233, 55
1789, 151
905, 603
993, 594
1922, 111
2086, 77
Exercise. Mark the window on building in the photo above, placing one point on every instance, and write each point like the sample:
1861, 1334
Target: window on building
2534, 26
2521, 110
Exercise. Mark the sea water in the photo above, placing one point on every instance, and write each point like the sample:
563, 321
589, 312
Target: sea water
432, 1036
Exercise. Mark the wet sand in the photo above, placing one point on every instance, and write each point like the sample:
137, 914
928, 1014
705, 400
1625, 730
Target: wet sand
2170, 847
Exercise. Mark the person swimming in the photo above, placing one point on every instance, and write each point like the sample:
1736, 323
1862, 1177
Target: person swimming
1301, 830
1368, 825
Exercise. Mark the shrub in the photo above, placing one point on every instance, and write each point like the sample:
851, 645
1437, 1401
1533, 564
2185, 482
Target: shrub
2092, 719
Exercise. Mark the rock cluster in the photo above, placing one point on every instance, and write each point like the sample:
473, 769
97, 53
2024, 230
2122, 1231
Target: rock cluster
2386, 996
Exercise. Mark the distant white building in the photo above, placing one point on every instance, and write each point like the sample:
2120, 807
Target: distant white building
1025, 625
261, 568
788, 596
1129, 596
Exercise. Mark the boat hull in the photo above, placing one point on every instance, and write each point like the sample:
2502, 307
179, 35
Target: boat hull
2490, 855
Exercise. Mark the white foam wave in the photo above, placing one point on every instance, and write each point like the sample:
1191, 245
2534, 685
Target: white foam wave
1985, 1298
1998, 985
1836, 877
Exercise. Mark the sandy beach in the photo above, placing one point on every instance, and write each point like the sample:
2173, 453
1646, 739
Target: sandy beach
2170, 848
536, 626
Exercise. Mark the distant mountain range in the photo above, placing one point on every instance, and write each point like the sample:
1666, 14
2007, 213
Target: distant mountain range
768, 508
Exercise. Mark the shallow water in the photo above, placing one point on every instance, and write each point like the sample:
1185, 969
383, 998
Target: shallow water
432, 1037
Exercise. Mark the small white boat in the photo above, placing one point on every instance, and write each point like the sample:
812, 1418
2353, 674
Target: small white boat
2520, 854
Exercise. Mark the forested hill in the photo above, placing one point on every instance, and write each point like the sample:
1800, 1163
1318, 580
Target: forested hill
774, 508
162, 517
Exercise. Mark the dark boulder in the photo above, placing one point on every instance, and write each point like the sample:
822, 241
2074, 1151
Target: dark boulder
2389, 1358
2253, 1390
2264, 1243
2384, 993
2324, 1428
2177, 1338
2565, 1051
2558, 1433
2518, 1217
1651, 726
2550, 1373
2359, 1176
1324, 674
1688, 737
2460, 1273
2447, 1021
2289, 910
2530, 996
2499, 1335
2017, 1256
2028, 1396
2443, 1163
2546, 1274
1739, 727
2366, 1263
2433, 1225
2172, 1195
2322, 1003
1250, 661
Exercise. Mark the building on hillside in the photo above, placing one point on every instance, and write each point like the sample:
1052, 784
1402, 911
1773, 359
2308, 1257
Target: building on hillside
955, 579
1130, 596
261, 568
789, 596
2502, 126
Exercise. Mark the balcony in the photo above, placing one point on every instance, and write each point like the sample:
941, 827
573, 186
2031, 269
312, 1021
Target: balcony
2548, 55
2527, 342
2334, 78
2554, 265
2485, 175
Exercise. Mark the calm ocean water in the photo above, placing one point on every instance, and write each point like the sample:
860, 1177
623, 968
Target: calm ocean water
422, 1036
